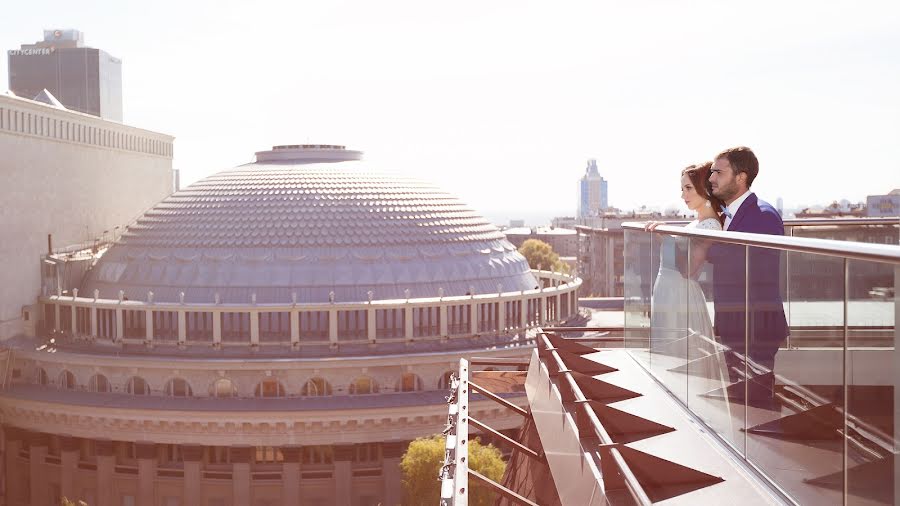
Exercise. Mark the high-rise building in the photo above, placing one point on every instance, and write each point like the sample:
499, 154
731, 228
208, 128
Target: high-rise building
592, 196
84, 79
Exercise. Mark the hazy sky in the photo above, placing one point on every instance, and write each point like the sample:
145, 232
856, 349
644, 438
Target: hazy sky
502, 102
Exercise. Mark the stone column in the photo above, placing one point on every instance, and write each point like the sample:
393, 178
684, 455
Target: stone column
290, 474
343, 474
371, 323
57, 325
68, 457
37, 456
217, 327
182, 326
12, 469
146, 457
93, 312
254, 328
192, 455
543, 309
148, 325
523, 313
501, 316
241, 456
391, 454
106, 464
473, 317
408, 330
443, 325
120, 325
295, 327
333, 326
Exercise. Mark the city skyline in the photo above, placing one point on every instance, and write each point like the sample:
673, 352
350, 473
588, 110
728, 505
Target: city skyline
527, 95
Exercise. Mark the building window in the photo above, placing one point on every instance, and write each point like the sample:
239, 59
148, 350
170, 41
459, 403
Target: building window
137, 386
409, 382
268, 455
178, 387
67, 380
368, 453
363, 385
223, 387
317, 455
269, 388
41, 377
316, 387
444, 382
218, 455
98, 383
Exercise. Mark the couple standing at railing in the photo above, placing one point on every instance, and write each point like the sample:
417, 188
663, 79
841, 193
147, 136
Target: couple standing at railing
719, 192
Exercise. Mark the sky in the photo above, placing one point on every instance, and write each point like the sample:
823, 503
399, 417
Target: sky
502, 103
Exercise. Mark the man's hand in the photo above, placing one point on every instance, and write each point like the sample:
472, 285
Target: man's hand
651, 225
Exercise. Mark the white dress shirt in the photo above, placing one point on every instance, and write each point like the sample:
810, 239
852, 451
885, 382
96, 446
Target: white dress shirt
733, 208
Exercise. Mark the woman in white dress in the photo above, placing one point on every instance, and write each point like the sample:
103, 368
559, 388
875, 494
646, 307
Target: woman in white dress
678, 305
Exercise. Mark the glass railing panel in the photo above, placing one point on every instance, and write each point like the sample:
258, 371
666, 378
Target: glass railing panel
794, 397
873, 396
638, 284
670, 332
706, 368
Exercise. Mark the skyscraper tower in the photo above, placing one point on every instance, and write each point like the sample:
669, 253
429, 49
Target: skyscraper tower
592, 192
83, 79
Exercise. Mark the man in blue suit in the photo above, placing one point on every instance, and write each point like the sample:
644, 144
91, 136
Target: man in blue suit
730, 179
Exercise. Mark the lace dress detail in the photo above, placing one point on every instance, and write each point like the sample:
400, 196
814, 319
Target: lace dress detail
707, 224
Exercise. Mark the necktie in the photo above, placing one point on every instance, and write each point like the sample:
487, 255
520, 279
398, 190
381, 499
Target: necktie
726, 212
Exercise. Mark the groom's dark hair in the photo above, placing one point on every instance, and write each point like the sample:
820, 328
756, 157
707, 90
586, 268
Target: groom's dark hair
743, 160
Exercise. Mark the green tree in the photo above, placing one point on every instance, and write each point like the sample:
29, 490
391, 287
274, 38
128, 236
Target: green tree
67, 502
422, 463
541, 255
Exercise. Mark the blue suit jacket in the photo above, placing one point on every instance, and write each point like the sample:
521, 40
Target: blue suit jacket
768, 326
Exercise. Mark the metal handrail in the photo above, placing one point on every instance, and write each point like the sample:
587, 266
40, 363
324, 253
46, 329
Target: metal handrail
842, 249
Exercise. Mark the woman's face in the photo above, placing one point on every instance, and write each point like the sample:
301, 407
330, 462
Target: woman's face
689, 194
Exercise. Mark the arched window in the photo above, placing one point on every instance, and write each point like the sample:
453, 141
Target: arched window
269, 388
409, 382
223, 387
98, 383
66, 380
316, 387
178, 387
40, 377
444, 383
363, 385
137, 386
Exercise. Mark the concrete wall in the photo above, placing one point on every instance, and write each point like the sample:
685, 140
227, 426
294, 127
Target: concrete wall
70, 175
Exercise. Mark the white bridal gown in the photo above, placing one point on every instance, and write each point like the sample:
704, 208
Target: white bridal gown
678, 304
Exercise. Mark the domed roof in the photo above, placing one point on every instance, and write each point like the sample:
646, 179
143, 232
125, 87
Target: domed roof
284, 225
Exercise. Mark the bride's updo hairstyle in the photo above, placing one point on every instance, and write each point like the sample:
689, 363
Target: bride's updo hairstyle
699, 176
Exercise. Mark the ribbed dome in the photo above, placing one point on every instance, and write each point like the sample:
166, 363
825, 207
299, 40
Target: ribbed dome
277, 228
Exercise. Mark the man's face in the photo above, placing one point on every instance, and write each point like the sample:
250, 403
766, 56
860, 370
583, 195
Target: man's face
725, 184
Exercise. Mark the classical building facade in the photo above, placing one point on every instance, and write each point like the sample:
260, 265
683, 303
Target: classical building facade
68, 178
273, 334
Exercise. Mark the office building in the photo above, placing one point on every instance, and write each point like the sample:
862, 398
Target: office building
82, 78
592, 192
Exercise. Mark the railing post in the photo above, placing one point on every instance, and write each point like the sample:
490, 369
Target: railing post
93, 317
371, 322
501, 316
845, 377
